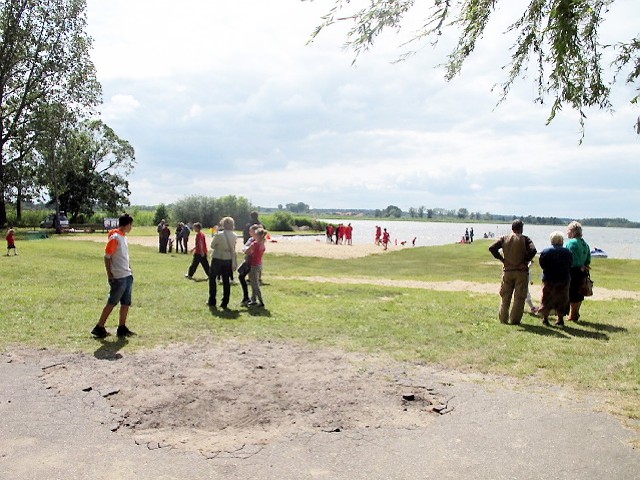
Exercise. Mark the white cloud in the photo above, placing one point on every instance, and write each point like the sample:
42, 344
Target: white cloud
119, 106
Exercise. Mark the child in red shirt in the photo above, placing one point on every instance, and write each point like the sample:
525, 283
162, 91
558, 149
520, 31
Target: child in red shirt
11, 242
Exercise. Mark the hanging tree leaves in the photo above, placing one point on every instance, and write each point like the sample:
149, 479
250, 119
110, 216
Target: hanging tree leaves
561, 37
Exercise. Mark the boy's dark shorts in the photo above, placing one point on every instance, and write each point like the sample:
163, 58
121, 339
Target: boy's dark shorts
121, 289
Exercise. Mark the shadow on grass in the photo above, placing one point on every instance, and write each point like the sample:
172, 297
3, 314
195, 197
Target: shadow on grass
564, 332
542, 330
109, 349
228, 314
577, 332
602, 326
258, 312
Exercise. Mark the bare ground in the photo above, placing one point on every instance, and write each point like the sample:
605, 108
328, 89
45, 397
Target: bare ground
235, 397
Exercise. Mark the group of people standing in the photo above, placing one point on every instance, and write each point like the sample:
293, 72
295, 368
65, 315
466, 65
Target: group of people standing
166, 242
564, 269
224, 261
223, 264
343, 234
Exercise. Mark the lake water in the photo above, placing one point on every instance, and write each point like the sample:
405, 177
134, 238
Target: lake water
617, 242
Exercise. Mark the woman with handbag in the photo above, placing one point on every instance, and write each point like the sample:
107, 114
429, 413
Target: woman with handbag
579, 268
223, 262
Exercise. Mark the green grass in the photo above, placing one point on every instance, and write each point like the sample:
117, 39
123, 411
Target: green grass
52, 293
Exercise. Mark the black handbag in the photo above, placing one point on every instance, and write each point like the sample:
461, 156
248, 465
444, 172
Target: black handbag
244, 268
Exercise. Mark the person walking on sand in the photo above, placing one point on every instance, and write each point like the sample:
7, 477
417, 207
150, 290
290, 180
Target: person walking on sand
517, 251
348, 234
199, 253
385, 239
11, 241
120, 278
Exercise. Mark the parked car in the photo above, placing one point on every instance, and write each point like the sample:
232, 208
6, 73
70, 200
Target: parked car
50, 221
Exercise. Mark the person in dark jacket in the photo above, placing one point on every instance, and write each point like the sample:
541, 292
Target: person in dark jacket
555, 262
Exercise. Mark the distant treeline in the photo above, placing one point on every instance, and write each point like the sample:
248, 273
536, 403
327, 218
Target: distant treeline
463, 215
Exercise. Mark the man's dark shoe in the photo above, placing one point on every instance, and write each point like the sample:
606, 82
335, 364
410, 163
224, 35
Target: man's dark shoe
123, 331
99, 332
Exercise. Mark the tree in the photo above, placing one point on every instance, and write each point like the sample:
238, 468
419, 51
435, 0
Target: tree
44, 59
392, 211
92, 165
299, 207
161, 214
560, 36
209, 210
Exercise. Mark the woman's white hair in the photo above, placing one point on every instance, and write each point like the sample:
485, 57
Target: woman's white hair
556, 238
576, 229
228, 223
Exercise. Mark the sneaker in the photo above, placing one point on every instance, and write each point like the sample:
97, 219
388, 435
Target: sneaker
99, 332
188, 277
123, 331
245, 302
559, 323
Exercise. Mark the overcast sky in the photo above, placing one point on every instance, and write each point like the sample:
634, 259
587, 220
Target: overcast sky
225, 97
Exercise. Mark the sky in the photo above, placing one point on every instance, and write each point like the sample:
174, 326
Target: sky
228, 98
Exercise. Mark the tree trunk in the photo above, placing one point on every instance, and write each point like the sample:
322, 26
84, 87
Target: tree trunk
19, 205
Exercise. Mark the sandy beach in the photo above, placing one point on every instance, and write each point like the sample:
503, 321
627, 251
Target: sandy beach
295, 245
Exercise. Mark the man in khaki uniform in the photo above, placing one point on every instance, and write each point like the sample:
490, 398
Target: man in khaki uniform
517, 251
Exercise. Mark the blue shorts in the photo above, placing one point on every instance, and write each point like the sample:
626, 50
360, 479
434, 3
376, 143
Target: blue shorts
121, 289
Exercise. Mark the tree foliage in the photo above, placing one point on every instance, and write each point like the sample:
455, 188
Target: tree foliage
44, 60
93, 170
561, 37
209, 210
299, 207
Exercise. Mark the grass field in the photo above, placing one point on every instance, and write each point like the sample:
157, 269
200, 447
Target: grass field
52, 293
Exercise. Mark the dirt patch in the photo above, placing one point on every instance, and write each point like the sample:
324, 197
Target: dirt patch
232, 397
599, 294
